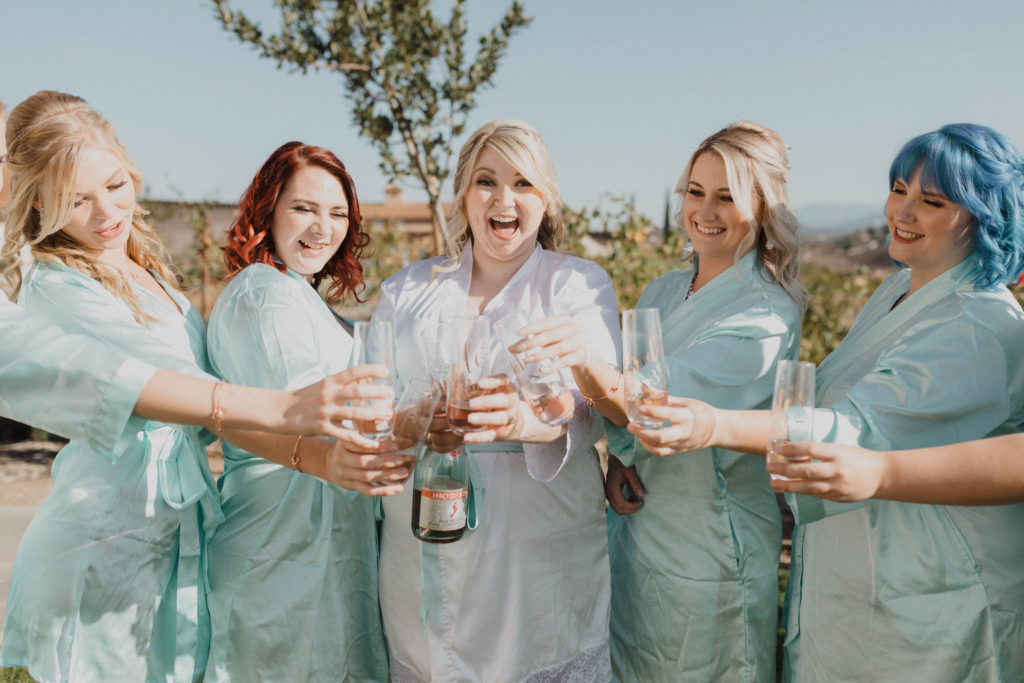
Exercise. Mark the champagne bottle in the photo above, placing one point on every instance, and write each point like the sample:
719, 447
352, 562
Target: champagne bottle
440, 496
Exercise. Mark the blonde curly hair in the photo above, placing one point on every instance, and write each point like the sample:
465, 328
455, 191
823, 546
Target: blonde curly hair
46, 136
757, 169
522, 147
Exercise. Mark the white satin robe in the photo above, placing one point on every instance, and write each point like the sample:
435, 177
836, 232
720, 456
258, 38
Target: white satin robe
523, 596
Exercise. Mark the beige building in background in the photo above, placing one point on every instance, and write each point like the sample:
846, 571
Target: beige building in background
171, 219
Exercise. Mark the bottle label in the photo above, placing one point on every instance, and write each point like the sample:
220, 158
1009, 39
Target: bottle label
443, 510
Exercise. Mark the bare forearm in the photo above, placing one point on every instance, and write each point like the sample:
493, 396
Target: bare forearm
747, 431
602, 383
984, 472
279, 448
181, 399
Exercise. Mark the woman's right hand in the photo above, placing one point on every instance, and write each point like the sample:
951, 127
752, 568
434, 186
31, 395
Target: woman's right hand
321, 408
619, 476
688, 425
374, 468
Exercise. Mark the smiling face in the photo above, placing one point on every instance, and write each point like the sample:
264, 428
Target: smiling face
929, 233
310, 220
504, 210
713, 222
101, 220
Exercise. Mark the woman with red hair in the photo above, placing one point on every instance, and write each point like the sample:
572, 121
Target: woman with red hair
293, 568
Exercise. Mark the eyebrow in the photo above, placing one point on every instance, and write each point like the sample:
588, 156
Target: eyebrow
310, 201
120, 169
485, 169
694, 182
926, 193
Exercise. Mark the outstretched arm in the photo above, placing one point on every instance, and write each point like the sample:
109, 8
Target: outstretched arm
317, 409
983, 472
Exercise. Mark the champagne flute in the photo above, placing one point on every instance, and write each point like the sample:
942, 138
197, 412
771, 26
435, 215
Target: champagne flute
471, 364
644, 368
375, 345
547, 394
415, 410
437, 344
792, 407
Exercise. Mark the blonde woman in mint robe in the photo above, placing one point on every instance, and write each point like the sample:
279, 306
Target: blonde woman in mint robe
695, 565
704, 604
889, 591
109, 581
293, 568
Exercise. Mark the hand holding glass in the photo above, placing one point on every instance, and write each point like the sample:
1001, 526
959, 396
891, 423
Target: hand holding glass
547, 394
643, 363
792, 406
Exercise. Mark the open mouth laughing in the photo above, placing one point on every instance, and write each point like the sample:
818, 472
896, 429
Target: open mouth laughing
315, 247
504, 227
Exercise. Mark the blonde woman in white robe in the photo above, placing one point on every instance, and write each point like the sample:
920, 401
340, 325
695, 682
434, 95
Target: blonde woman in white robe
524, 595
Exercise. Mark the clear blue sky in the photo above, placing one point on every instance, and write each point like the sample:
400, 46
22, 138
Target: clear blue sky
622, 91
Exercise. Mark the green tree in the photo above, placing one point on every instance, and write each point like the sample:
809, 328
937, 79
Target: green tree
406, 73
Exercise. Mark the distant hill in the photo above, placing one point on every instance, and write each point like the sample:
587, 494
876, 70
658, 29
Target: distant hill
838, 218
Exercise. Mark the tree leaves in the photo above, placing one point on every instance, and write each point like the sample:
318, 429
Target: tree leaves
405, 71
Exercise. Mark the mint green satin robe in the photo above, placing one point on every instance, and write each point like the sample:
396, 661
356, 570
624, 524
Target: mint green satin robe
695, 570
67, 384
109, 582
293, 568
887, 591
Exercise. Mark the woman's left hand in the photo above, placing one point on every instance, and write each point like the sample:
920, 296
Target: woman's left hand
841, 473
689, 425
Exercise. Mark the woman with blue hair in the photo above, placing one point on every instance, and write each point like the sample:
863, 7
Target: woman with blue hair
885, 590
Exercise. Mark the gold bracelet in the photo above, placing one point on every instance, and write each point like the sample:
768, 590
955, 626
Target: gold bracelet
607, 394
295, 456
216, 411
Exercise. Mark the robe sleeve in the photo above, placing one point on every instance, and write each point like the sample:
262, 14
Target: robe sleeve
934, 386
262, 336
586, 292
81, 305
68, 384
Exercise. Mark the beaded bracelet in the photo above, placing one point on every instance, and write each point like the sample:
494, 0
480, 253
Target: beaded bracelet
295, 456
216, 411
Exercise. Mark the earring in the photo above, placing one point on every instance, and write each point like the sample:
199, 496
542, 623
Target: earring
769, 245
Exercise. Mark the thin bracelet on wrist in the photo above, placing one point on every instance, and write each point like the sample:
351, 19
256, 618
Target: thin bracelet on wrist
216, 411
608, 394
295, 456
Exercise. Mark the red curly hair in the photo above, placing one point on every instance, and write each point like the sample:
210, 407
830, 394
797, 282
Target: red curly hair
250, 241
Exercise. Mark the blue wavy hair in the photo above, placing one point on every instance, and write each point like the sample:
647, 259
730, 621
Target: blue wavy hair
982, 171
